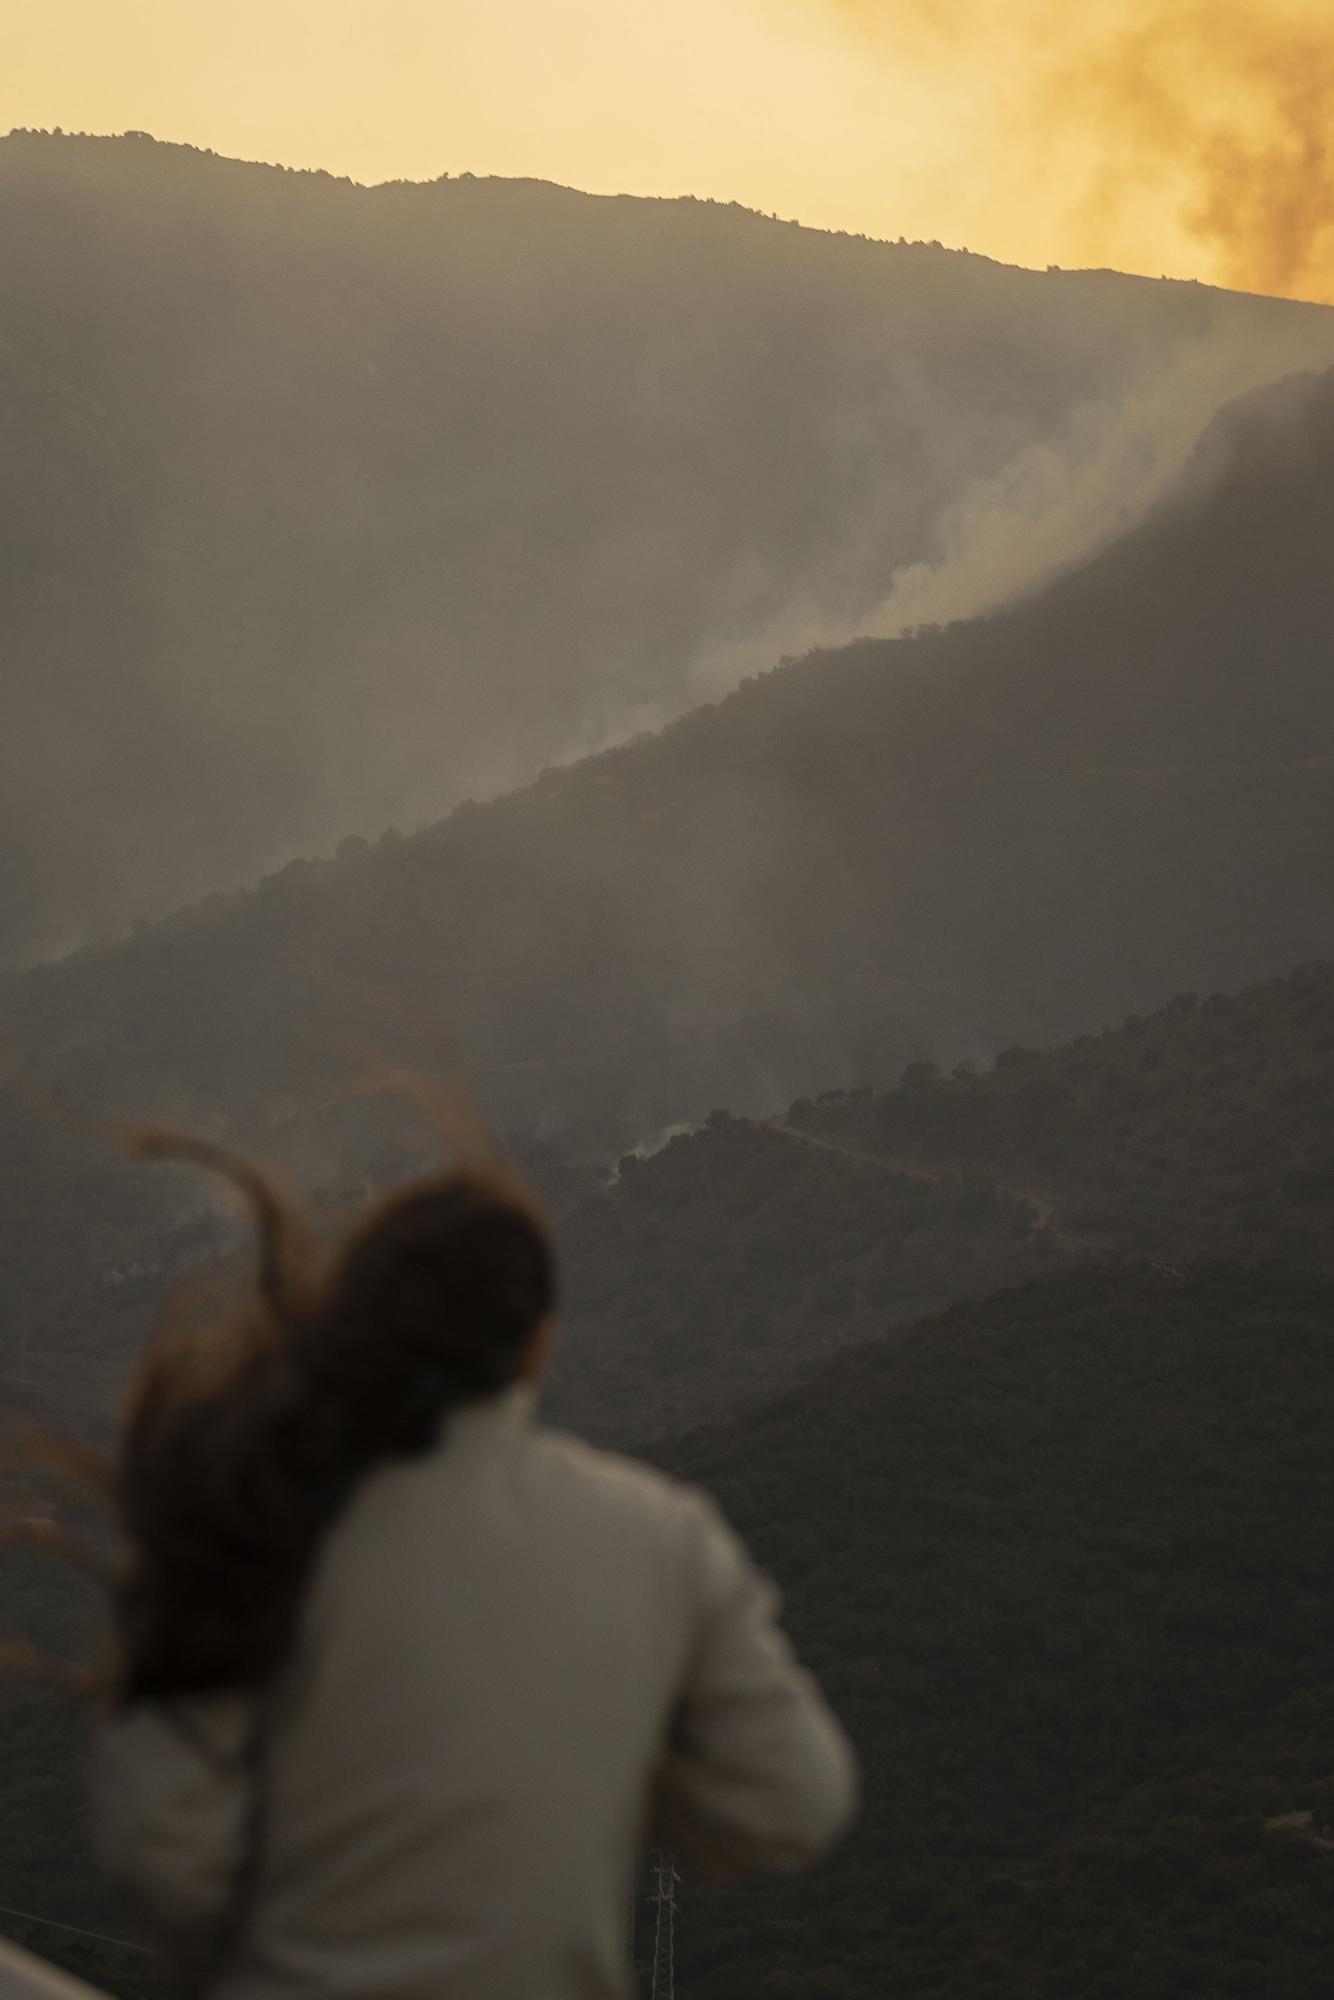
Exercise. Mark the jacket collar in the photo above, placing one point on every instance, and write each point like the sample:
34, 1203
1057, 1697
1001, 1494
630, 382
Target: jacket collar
509, 1409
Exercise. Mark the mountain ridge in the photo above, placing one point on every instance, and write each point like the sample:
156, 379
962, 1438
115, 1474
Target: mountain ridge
351, 502
185, 151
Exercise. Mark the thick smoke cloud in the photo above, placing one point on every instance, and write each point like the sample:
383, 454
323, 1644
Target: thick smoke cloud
1131, 119
1236, 104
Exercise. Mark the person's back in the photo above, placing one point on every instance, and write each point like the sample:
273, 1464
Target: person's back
23, 1977
516, 1659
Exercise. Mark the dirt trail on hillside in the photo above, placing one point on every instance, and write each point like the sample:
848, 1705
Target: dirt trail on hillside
1037, 1199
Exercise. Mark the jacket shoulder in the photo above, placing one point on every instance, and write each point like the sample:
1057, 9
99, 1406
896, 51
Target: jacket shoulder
626, 1484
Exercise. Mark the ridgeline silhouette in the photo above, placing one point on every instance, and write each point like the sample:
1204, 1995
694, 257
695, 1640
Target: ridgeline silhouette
351, 503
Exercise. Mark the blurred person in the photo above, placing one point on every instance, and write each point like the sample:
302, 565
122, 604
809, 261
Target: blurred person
404, 1678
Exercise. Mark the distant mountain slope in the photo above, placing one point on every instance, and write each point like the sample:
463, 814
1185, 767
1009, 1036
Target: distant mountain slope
736, 1257
324, 506
727, 1264
1206, 1128
996, 831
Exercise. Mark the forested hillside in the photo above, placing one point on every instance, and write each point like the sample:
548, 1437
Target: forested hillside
993, 832
1204, 1129
732, 1259
739, 1255
323, 507
1062, 1559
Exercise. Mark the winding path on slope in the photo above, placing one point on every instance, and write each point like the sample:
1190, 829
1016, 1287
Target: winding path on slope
1036, 1198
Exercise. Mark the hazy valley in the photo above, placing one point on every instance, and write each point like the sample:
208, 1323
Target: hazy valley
998, 830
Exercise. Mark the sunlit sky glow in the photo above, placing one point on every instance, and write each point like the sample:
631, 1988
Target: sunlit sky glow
1144, 134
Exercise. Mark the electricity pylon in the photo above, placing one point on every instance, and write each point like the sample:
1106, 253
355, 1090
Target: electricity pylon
665, 1879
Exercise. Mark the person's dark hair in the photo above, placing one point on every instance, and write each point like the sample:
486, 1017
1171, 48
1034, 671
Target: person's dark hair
242, 1444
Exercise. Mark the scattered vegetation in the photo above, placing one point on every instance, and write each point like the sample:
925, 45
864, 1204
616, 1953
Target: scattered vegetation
1205, 1129
1062, 1559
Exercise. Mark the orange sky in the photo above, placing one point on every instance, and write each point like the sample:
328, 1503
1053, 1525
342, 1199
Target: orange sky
1154, 136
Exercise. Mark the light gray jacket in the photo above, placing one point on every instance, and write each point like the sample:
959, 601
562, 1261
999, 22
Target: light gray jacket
521, 1658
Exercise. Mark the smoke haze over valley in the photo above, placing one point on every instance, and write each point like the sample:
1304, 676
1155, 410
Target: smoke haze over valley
328, 507
1160, 124
989, 831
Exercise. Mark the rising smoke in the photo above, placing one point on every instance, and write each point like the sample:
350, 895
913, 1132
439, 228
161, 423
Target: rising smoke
1130, 122
1056, 501
490, 476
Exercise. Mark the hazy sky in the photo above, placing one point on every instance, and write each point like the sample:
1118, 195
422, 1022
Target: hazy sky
1147, 134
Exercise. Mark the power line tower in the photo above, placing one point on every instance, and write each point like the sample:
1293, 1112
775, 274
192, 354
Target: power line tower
665, 1879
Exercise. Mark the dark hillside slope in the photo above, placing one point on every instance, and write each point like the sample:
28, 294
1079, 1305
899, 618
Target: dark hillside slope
1062, 1560
326, 506
726, 1264
738, 1258
740, 1255
1003, 829
1204, 1129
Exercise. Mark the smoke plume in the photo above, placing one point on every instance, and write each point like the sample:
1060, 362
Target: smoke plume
1132, 122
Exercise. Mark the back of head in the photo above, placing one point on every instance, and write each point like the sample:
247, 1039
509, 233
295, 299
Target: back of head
432, 1301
